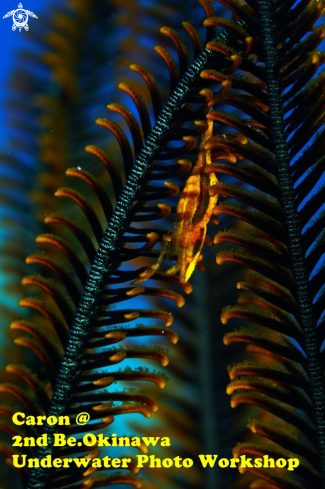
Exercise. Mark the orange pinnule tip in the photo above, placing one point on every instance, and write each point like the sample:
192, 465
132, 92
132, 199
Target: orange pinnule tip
108, 419
135, 291
118, 357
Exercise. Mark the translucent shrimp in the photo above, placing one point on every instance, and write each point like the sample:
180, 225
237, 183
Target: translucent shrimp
193, 213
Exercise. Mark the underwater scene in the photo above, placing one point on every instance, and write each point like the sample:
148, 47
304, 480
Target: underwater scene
162, 244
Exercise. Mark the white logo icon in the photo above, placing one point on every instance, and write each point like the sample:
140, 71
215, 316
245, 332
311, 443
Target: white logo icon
20, 18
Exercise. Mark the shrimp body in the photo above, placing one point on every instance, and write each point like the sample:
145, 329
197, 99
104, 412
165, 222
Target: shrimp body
193, 213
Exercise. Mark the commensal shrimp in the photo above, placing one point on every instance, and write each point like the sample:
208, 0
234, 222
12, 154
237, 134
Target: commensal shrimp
193, 213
